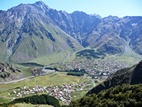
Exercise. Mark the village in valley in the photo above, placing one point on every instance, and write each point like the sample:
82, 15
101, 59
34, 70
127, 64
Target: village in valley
99, 69
95, 71
62, 93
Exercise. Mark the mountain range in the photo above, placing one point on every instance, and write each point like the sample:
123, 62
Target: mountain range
29, 31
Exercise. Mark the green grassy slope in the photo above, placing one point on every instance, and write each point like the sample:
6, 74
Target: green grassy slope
119, 96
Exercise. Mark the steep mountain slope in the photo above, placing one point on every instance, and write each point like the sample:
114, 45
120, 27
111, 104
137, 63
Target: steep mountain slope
77, 24
92, 30
132, 75
26, 32
29, 31
112, 35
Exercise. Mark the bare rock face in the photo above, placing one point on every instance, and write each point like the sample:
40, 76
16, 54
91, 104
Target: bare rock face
8, 72
28, 31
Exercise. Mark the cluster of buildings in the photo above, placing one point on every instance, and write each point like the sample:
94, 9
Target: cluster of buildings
20, 92
62, 92
100, 68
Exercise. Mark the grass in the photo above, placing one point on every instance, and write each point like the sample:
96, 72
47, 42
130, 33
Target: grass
3, 54
50, 59
128, 56
73, 56
25, 69
29, 105
54, 79
128, 59
4, 100
48, 80
56, 58
78, 94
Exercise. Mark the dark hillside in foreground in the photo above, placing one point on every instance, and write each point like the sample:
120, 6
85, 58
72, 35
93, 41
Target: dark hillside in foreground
36, 99
119, 96
122, 89
131, 75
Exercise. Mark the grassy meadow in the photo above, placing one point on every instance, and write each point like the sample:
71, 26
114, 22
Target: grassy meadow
54, 79
50, 59
29, 105
48, 80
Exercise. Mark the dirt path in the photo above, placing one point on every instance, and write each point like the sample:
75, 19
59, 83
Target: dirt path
17, 80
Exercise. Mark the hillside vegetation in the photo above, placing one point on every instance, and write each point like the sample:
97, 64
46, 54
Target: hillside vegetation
119, 96
122, 89
131, 75
36, 99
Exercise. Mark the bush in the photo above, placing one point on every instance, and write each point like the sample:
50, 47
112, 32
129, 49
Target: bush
38, 99
119, 96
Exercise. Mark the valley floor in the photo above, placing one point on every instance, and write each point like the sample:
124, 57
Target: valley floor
64, 89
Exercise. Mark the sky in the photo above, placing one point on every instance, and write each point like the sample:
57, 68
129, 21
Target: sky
103, 8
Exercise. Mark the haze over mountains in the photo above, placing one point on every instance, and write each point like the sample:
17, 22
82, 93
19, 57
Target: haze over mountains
28, 31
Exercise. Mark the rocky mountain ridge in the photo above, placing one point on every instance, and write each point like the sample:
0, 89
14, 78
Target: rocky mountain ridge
28, 31
8, 72
119, 34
